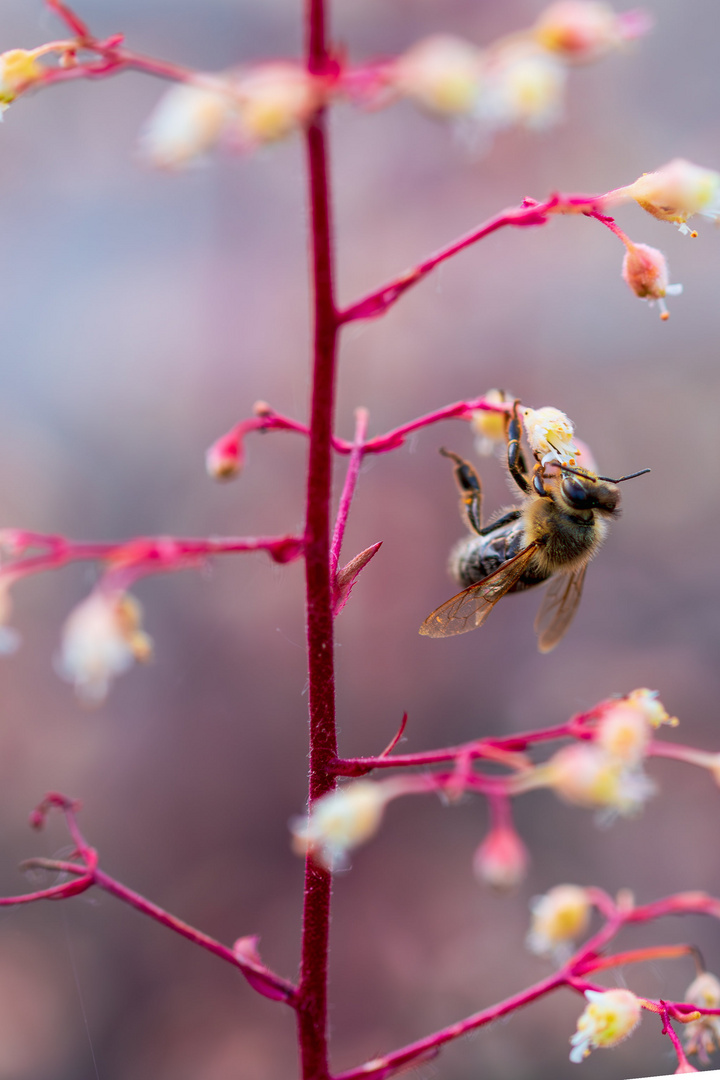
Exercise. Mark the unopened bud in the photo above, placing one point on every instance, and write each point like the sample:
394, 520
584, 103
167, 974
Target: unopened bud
502, 859
645, 271
583, 30
224, 459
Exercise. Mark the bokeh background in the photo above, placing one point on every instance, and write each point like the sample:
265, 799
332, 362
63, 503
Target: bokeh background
140, 316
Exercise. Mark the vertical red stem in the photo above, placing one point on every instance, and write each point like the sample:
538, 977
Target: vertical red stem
312, 994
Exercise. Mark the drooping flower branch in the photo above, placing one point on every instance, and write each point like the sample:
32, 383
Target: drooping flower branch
559, 919
601, 768
81, 871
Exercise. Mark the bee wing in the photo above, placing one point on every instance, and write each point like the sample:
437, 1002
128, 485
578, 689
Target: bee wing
558, 608
470, 608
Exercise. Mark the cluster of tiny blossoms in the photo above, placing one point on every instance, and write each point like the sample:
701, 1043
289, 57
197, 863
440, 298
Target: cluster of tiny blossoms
519, 79
606, 773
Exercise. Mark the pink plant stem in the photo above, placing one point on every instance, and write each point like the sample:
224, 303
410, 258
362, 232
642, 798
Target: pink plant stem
351, 479
478, 748
390, 1063
529, 213
670, 1032
381, 444
283, 990
312, 988
461, 410
143, 555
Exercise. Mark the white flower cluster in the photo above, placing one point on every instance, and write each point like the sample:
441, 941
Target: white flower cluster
243, 110
518, 80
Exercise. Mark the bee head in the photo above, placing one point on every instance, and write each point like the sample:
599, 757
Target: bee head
583, 491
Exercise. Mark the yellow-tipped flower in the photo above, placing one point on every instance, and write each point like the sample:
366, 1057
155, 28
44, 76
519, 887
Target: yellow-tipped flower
185, 125
489, 427
550, 435
587, 775
274, 100
579, 30
702, 1037
525, 85
442, 74
340, 821
626, 724
101, 639
675, 192
18, 70
559, 918
609, 1017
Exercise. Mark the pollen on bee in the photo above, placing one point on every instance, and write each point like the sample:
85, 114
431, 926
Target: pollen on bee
665, 315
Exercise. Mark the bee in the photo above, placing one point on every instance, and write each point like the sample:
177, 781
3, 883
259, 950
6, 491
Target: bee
551, 536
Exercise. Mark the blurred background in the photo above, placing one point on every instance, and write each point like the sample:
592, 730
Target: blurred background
141, 315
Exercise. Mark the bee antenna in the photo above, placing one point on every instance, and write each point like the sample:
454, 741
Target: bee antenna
630, 476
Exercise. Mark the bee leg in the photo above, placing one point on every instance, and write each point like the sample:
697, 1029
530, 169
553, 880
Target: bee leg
537, 481
470, 488
515, 457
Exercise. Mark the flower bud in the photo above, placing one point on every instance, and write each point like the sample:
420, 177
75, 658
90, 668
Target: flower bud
550, 435
101, 639
489, 427
274, 100
675, 192
582, 30
442, 74
624, 733
524, 86
587, 775
645, 271
646, 701
186, 123
559, 917
224, 459
702, 1036
340, 821
502, 859
610, 1017
18, 70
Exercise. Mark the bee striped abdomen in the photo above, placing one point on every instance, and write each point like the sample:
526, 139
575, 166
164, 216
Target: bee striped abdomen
476, 557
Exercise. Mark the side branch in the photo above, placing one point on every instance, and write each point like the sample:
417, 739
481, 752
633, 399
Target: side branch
527, 214
83, 868
131, 559
571, 975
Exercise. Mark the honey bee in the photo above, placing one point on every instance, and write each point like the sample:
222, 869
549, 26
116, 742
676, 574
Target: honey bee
551, 536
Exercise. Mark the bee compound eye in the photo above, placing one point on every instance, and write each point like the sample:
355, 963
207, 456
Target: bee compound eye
577, 494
